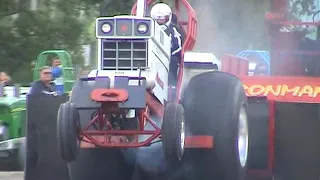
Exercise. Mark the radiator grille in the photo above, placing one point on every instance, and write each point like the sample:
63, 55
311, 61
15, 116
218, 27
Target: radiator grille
124, 55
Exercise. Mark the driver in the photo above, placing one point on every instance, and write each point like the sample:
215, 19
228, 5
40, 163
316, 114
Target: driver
162, 13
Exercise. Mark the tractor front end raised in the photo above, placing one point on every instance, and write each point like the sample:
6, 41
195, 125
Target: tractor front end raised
120, 118
109, 107
122, 104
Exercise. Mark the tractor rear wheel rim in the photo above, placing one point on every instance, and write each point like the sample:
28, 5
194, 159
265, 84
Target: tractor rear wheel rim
243, 139
182, 137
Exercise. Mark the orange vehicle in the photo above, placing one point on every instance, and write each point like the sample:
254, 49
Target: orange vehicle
123, 121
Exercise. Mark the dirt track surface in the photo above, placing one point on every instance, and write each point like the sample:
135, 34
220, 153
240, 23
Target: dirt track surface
11, 175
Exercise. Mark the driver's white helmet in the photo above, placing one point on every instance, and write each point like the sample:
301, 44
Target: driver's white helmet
162, 13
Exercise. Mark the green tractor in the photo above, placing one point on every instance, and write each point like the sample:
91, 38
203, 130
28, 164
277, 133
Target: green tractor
12, 132
13, 111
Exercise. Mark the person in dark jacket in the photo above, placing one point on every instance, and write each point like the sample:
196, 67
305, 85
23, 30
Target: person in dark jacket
174, 22
162, 13
44, 86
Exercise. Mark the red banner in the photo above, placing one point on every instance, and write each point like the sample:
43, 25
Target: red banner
286, 89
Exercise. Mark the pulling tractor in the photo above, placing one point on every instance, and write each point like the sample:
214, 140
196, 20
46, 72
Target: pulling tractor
214, 124
123, 121
127, 103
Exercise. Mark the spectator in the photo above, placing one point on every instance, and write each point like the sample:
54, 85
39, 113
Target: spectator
56, 62
44, 86
5, 79
57, 74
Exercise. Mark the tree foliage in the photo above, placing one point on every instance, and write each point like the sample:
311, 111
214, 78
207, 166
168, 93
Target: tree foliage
69, 24
28, 33
55, 24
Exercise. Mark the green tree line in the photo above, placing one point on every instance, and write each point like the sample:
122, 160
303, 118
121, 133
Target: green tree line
26, 31
53, 24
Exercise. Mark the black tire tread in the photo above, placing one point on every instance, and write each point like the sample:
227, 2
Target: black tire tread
174, 112
212, 101
68, 117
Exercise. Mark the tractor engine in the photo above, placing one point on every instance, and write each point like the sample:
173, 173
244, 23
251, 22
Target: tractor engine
133, 47
124, 55
120, 53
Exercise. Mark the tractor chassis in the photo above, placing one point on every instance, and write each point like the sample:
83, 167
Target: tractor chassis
103, 132
98, 132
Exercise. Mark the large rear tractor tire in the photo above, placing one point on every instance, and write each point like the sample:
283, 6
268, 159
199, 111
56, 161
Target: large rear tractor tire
215, 104
173, 132
68, 125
